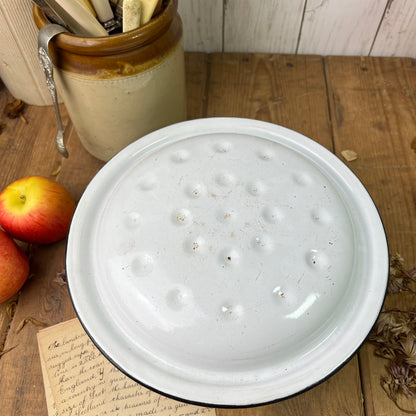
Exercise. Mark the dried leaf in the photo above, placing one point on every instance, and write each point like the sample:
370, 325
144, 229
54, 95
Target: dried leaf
391, 389
14, 109
408, 345
30, 320
349, 155
61, 278
388, 353
56, 171
10, 308
394, 335
399, 278
402, 379
2, 352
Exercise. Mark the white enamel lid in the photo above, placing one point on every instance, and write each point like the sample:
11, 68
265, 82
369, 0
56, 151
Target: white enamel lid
227, 261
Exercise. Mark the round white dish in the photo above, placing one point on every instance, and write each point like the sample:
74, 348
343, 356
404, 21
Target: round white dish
227, 262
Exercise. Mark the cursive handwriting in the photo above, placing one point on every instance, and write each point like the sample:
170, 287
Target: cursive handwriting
84, 383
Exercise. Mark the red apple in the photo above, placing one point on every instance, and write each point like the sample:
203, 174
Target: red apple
36, 210
14, 267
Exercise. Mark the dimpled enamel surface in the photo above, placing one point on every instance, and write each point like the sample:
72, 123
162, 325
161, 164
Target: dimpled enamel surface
220, 261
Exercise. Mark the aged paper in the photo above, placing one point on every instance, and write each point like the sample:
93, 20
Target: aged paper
50, 401
80, 381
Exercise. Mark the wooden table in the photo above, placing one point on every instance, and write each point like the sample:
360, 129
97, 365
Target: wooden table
364, 104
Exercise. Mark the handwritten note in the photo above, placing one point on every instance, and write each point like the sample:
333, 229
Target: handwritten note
80, 381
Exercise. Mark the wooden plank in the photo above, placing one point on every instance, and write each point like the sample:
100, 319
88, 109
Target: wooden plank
253, 26
282, 89
290, 91
397, 33
373, 107
196, 65
339, 28
202, 22
23, 145
329, 27
20, 68
44, 297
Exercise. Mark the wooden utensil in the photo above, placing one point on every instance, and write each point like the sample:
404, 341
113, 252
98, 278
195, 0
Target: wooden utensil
77, 18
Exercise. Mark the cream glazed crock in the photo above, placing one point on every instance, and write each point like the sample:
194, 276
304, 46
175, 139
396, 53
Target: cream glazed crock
120, 87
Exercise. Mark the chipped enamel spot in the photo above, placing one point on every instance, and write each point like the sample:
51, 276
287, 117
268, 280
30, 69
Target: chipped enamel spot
279, 291
231, 311
256, 188
317, 259
229, 257
195, 190
182, 216
195, 245
226, 214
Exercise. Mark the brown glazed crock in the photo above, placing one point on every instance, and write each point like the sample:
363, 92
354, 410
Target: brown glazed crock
121, 54
146, 62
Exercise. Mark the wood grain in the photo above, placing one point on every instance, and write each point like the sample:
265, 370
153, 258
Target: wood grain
20, 68
252, 26
373, 108
196, 65
27, 147
397, 33
283, 89
335, 27
203, 25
